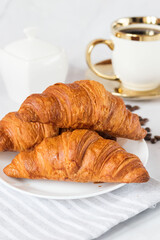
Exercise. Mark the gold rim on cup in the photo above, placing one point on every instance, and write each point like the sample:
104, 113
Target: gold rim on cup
122, 23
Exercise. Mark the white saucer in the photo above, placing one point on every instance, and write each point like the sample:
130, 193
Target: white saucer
117, 88
68, 190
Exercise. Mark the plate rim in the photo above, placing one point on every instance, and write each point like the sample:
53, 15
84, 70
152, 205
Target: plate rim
118, 185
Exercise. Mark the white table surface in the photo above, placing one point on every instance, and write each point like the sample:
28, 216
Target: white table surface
72, 24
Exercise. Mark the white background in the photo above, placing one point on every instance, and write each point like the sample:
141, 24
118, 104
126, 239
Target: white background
71, 24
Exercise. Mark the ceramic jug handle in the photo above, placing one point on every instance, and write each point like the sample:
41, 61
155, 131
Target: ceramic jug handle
90, 47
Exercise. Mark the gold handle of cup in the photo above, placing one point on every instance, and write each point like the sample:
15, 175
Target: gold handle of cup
90, 47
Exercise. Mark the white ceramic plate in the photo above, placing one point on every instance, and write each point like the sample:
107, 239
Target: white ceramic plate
68, 190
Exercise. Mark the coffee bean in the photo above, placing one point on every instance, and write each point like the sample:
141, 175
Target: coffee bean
134, 108
148, 137
149, 134
157, 138
147, 129
137, 107
153, 140
128, 106
143, 121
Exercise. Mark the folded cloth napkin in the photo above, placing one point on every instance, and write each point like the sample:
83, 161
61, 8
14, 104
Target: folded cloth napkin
30, 218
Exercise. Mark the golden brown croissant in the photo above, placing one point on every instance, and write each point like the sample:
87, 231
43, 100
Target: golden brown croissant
80, 156
82, 104
17, 135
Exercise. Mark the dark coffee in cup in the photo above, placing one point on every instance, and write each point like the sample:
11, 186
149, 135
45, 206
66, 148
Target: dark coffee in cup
141, 31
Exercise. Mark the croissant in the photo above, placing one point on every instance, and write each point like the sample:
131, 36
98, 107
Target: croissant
82, 104
79, 156
17, 135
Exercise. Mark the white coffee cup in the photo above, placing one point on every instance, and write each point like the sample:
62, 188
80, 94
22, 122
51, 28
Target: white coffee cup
135, 45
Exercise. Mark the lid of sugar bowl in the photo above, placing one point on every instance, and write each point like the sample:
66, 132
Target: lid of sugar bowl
31, 48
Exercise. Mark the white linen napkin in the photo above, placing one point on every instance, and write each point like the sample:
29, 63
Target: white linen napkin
30, 218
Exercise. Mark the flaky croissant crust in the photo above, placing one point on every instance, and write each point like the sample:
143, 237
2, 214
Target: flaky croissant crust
79, 156
82, 104
18, 135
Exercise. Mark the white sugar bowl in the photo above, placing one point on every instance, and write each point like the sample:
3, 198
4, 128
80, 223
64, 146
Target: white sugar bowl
30, 65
